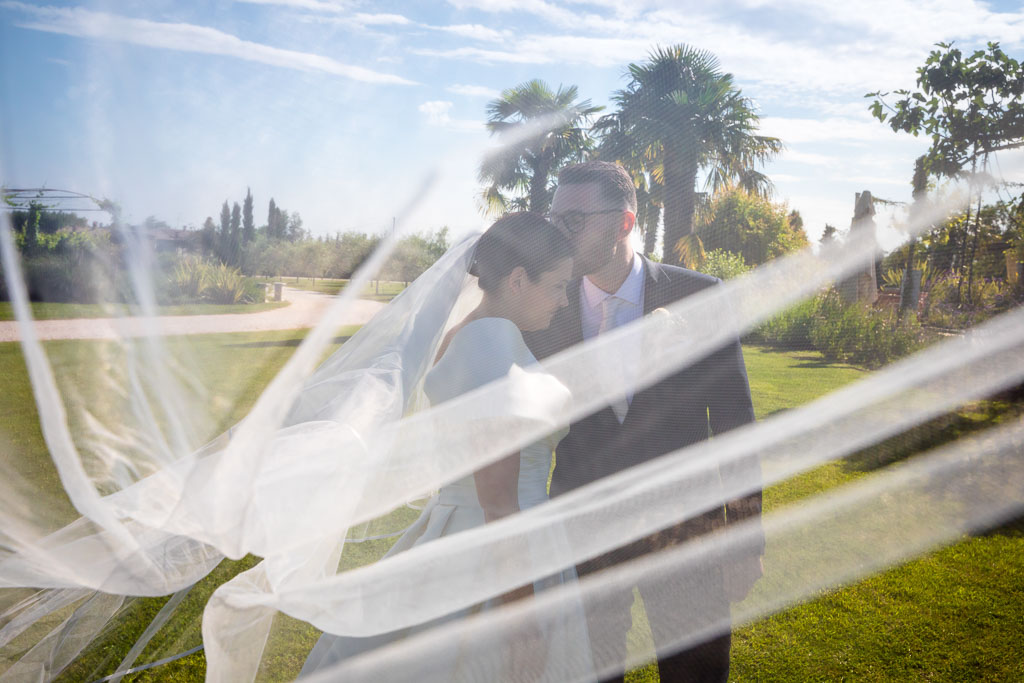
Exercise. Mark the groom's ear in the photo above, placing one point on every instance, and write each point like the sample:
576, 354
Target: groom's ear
628, 222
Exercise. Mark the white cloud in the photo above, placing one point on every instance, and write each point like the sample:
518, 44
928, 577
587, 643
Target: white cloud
539, 8
473, 90
364, 19
872, 181
553, 49
315, 5
438, 114
187, 38
913, 22
833, 129
808, 158
773, 64
475, 32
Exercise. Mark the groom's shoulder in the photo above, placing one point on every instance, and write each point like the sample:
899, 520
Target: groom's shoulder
677, 282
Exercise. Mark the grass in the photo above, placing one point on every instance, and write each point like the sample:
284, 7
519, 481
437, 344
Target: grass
378, 290
952, 615
235, 367
45, 310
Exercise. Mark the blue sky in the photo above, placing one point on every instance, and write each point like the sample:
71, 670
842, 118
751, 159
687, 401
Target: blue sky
340, 109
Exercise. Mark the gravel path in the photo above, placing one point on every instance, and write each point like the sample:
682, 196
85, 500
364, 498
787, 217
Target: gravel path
303, 311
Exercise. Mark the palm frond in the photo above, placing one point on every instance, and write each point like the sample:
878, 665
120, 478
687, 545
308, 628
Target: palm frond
690, 250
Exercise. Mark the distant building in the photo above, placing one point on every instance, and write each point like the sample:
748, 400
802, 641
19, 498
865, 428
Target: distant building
170, 239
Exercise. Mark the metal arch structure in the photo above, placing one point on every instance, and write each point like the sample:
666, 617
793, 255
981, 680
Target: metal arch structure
50, 199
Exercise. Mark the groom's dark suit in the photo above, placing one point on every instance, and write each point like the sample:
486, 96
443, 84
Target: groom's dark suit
710, 395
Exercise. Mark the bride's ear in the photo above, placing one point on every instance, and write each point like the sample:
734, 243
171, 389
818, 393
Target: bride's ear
517, 279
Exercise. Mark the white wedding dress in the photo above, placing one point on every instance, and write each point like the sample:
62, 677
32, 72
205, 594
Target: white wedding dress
484, 350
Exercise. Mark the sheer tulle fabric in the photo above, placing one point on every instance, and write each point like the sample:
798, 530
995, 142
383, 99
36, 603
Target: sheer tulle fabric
324, 453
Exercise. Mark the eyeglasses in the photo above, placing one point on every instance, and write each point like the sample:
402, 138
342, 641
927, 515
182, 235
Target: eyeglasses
575, 222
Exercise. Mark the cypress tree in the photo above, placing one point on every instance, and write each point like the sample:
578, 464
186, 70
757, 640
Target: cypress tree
224, 241
248, 227
272, 220
236, 235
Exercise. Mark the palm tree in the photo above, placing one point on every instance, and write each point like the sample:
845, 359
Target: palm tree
618, 145
681, 114
541, 131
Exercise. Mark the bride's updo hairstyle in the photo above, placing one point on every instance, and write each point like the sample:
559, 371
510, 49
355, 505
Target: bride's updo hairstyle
524, 239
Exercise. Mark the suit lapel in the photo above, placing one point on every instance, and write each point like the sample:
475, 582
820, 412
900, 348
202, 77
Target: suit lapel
572, 327
653, 276
653, 279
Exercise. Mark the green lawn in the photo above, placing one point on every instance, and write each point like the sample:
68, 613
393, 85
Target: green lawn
61, 311
953, 615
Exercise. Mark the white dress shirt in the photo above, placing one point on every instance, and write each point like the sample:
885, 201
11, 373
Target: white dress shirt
629, 307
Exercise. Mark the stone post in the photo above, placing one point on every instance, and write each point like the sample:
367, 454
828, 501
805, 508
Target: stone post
862, 285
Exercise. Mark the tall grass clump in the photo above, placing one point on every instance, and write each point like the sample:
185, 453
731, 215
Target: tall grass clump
192, 280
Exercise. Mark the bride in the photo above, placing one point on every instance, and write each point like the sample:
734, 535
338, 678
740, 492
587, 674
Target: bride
523, 265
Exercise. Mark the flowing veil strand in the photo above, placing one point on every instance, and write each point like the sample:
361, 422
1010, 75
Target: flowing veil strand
200, 490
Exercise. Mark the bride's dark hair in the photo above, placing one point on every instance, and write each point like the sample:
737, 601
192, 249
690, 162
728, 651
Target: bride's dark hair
524, 239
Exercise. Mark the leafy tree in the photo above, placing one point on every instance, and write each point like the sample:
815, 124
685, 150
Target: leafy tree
972, 107
829, 235
741, 222
541, 130
208, 237
352, 249
154, 223
681, 114
724, 264
294, 231
796, 221
46, 222
414, 254
30, 232
248, 226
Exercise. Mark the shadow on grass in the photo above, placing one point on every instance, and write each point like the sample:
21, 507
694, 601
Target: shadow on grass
282, 343
1013, 528
811, 362
972, 418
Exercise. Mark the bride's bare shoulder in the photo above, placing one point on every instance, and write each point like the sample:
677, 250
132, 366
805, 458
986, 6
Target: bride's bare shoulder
495, 334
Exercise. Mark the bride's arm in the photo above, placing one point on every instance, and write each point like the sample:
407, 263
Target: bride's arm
497, 490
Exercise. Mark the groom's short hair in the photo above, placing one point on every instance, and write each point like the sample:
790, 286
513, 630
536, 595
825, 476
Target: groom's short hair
616, 185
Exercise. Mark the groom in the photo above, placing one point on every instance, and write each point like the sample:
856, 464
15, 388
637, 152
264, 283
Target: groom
595, 205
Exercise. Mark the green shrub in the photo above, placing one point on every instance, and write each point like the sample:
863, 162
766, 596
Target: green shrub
859, 334
724, 264
790, 329
988, 298
852, 333
255, 292
66, 277
68, 268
